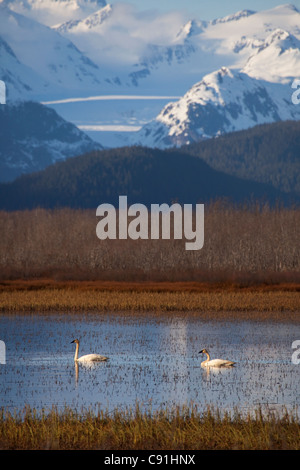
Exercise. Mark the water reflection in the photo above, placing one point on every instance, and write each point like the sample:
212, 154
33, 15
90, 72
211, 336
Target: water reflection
76, 372
87, 366
207, 371
154, 360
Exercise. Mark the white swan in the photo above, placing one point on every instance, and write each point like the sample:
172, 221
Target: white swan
87, 357
215, 362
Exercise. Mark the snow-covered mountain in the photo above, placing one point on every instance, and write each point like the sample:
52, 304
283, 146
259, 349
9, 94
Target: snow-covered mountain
277, 59
127, 45
223, 101
92, 45
33, 137
146, 54
56, 49
53, 64
90, 23
19, 78
51, 12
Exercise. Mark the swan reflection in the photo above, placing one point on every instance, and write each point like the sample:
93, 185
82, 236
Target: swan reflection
86, 366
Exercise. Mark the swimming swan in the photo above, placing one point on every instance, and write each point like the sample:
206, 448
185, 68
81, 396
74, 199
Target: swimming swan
87, 357
214, 362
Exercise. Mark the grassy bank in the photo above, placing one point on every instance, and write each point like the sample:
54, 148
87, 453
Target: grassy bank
46, 295
183, 429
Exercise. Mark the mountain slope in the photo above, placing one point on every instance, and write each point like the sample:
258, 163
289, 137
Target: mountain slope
49, 55
114, 32
33, 137
147, 48
107, 45
277, 59
19, 78
90, 23
145, 175
50, 12
268, 153
223, 101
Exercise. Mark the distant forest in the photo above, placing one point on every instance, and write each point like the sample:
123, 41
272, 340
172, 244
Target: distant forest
268, 153
262, 163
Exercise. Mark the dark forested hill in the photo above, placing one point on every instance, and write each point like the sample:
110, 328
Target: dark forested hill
144, 175
269, 153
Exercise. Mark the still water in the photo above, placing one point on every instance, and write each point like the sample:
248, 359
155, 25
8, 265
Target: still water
153, 361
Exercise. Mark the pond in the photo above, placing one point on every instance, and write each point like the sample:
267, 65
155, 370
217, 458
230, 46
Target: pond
154, 361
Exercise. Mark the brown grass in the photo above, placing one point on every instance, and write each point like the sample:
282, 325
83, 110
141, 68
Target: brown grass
181, 429
282, 301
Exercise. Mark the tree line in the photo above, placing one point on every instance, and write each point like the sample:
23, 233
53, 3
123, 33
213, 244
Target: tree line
146, 176
241, 243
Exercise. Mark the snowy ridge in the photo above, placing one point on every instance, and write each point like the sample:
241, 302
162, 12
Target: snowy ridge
50, 12
235, 17
117, 35
223, 101
55, 63
190, 29
281, 52
90, 22
98, 45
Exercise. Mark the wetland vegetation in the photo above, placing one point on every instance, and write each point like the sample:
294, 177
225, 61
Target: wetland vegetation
153, 361
180, 429
248, 271
278, 300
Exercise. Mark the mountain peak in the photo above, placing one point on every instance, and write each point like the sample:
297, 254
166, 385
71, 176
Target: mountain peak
92, 21
282, 39
51, 12
287, 6
281, 51
223, 101
191, 28
234, 17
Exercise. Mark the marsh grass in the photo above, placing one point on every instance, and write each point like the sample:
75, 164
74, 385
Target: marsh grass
181, 429
144, 297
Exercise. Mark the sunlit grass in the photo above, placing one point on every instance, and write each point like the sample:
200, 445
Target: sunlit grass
182, 428
87, 297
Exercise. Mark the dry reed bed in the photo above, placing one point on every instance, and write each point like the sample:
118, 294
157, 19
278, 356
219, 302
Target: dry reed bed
182, 429
138, 300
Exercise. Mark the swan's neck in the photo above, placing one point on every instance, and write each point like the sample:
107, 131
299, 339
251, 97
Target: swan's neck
76, 352
207, 357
